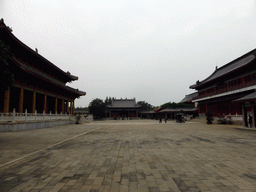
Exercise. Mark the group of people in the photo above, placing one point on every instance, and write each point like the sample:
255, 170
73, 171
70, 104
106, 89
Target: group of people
160, 120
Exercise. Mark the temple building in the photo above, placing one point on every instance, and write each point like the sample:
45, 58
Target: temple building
39, 84
123, 108
230, 89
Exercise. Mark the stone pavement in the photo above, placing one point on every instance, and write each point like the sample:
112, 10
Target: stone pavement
135, 155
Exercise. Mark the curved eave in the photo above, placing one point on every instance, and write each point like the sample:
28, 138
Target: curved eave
189, 98
77, 91
66, 74
247, 98
241, 62
28, 69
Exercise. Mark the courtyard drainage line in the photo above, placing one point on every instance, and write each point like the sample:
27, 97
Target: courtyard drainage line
61, 142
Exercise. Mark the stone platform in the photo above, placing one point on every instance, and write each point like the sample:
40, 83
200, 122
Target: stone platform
129, 155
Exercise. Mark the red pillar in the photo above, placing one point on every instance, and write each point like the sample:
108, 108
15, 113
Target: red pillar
56, 105
21, 99
34, 101
6, 100
45, 103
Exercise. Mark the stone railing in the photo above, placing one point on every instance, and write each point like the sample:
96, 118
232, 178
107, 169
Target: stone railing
13, 117
229, 119
235, 117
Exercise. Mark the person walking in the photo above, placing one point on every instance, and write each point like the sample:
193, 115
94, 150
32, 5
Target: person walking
250, 120
160, 120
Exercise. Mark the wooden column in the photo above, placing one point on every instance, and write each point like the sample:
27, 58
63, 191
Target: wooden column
6, 101
21, 99
62, 106
34, 102
71, 107
45, 103
56, 105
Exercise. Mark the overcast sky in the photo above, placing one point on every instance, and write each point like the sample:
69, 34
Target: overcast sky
150, 50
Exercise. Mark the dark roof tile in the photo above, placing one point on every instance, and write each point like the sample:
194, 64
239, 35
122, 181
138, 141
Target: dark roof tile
124, 103
228, 68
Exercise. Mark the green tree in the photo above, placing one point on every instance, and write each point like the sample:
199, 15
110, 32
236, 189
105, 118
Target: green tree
108, 100
82, 108
6, 74
176, 105
145, 106
97, 107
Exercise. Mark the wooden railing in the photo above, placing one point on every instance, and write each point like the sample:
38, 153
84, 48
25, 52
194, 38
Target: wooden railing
12, 117
226, 89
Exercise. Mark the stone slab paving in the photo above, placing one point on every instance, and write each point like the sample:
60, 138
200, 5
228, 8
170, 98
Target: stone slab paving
136, 155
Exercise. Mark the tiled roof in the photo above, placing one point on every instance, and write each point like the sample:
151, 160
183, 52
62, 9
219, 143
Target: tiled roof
228, 68
65, 75
60, 77
124, 103
148, 112
189, 97
47, 78
249, 97
178, 110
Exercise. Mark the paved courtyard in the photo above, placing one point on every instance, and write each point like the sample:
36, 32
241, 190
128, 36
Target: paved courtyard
134, 155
